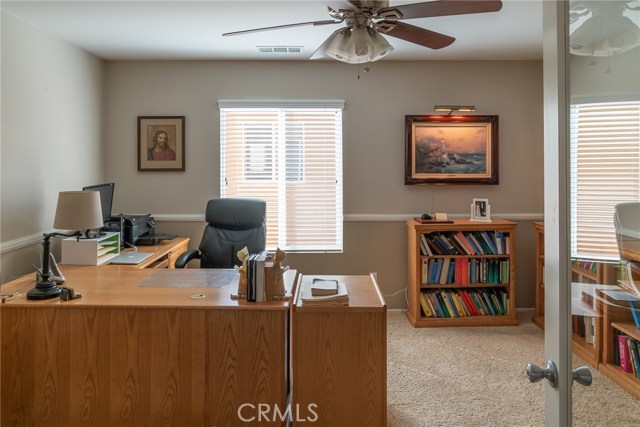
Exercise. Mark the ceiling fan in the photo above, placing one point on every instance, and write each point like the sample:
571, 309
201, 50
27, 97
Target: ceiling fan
361, 41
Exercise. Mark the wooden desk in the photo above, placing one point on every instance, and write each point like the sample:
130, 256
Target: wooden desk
339, 358
139, 356
165, 253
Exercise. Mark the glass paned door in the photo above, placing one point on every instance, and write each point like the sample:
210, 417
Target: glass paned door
603, 123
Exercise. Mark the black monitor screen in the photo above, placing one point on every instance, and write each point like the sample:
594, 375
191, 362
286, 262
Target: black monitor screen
106, 198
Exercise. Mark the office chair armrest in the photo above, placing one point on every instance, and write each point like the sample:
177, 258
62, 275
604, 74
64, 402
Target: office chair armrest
187, 256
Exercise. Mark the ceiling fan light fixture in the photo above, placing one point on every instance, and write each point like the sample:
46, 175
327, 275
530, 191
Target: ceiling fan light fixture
381, 47
360, 42
358, 46
606, 33
337, 49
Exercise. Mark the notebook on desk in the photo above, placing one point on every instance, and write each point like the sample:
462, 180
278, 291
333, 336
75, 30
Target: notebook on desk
130, 258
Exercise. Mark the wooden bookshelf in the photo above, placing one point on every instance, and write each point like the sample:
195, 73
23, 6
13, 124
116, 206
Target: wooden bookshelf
480, 294
594, 273
591, 303
538, 315
616, 320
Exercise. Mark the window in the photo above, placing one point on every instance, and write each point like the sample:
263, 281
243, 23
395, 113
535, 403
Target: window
288, 153
605, 171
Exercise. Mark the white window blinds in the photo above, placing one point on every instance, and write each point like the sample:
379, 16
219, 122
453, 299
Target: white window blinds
288, 153
605, 171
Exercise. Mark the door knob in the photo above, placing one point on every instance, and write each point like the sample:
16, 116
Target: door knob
582, 375
535, 373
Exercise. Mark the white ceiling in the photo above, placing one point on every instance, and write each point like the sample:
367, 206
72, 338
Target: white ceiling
181, 30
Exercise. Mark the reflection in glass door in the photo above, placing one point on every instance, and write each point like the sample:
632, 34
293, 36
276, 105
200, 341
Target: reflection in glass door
604, 192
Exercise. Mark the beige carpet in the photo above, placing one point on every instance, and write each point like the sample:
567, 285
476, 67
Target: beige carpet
458, 377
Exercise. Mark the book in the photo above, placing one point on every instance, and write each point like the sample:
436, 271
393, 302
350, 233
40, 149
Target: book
320, 287
425, 306
424, 246
259, 275
463, 240
634, 347
444, 271
251, 282
635, 311
633, 355
625, 356
340, 298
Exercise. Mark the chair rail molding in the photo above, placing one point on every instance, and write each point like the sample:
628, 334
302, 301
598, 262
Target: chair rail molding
23, 242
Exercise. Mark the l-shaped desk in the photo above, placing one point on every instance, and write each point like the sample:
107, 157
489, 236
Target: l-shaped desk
128, 353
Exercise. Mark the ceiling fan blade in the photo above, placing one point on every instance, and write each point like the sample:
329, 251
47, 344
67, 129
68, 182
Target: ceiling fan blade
416, 35
443, 8
279, 27
319, 53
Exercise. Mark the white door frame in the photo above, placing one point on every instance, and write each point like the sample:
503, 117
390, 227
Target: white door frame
557, 274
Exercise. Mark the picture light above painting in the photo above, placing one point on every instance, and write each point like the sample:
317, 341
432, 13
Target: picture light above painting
161, 143
451, 150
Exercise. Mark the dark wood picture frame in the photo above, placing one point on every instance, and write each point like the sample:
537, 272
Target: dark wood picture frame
161, 143
451, 150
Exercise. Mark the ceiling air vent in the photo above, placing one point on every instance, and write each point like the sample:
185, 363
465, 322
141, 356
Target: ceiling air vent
279, 49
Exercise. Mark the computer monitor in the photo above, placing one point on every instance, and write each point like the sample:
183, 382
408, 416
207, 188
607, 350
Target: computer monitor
106, 198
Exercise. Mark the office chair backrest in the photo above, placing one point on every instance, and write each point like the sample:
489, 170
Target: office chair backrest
627, 224
232, 224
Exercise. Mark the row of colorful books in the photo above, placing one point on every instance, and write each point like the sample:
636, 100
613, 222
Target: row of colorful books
462, 303
627, 353
464, 271
587, 265
465, 243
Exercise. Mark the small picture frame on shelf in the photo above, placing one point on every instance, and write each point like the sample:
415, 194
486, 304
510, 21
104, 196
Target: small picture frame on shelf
480, 210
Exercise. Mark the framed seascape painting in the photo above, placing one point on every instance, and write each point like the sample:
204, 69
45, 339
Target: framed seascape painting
161, 143
451, 150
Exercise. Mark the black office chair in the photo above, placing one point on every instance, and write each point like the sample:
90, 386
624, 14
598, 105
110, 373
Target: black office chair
232, 224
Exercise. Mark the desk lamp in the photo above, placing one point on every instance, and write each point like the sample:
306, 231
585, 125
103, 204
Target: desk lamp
76, 210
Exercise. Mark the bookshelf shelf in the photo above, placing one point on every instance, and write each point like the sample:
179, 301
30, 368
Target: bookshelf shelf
461, 273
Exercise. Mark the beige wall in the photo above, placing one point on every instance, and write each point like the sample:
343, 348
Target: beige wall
376, 201
52, 112
373, 127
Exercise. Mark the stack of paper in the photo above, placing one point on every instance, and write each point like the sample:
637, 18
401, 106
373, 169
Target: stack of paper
339, 297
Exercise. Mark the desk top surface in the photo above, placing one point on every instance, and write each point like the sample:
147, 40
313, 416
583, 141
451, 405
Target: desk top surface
118, 286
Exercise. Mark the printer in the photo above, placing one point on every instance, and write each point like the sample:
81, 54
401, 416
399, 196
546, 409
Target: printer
131, 227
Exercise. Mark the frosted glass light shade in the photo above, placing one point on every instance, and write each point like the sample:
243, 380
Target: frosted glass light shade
358, 46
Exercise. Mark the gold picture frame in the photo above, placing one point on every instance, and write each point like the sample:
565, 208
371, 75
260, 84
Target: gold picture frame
451, 150
161, 143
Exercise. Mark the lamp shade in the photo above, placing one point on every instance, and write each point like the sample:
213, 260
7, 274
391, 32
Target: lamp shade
78, 210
